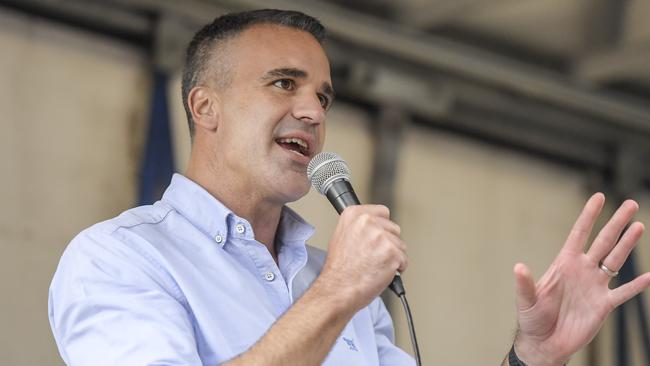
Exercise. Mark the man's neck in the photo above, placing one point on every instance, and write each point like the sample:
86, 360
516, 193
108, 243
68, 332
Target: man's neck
262, 214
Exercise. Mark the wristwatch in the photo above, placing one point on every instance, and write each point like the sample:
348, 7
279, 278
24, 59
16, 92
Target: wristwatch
513, 360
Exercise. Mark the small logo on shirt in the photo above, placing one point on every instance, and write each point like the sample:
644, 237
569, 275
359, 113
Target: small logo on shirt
350, 343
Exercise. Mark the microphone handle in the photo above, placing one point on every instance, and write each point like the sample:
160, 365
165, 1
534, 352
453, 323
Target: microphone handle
341, 195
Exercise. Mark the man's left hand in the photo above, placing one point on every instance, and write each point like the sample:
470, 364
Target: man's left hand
565, 309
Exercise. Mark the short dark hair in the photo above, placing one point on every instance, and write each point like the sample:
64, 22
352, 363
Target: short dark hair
201, 49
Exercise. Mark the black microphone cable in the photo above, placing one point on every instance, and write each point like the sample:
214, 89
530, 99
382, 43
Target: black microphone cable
329, 175
398, 288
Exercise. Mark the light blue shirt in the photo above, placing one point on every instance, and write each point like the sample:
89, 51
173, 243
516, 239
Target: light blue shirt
184, 282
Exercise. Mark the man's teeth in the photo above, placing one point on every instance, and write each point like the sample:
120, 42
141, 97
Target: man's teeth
295, 140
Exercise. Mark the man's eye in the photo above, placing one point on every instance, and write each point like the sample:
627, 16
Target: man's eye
286, 84
324, 101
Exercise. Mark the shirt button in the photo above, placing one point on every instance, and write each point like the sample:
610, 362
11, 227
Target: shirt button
218, 238
240, 228
269, 276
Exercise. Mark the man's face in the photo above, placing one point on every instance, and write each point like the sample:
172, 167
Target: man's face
272, 115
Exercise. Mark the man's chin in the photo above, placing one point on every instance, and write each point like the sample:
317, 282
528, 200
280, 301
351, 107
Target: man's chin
293, 191
298, 195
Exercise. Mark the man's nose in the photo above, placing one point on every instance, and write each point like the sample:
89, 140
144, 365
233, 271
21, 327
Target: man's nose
308, 109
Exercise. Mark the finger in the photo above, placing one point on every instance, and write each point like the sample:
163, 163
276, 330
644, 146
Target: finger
356, 211
403, 262
397, 248
390, 226
585, 222
377, 210
525, 287
392, 240
623, 248
400, 244
627, 291
609, 235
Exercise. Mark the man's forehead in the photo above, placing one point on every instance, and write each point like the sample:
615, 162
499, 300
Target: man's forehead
270, 46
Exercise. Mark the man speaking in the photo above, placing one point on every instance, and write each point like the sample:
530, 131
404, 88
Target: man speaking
218, 273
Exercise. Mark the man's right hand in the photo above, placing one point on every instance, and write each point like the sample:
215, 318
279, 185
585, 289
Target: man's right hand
363, 255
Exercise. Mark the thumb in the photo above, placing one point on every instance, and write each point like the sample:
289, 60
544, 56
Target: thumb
525, 287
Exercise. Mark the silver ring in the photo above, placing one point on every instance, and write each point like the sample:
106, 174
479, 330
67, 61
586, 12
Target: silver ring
608, 272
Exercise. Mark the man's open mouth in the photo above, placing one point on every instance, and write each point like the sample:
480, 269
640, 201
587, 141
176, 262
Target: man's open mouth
294, 144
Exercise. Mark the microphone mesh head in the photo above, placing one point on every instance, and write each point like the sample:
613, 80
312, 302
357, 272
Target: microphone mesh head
326, 167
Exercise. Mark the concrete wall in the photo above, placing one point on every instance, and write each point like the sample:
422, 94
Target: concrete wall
487, 209
74, 107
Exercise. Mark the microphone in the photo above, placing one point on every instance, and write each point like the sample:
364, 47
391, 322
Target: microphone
329, 174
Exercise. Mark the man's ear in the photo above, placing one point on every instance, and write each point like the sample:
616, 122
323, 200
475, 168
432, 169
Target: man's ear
204, 105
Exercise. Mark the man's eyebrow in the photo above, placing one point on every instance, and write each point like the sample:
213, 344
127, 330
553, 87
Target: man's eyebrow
285, 72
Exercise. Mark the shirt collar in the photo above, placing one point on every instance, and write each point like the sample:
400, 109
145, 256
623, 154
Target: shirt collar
293, 227
216, 220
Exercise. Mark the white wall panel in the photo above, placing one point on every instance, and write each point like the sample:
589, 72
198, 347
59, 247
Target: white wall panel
73, 106
469, 212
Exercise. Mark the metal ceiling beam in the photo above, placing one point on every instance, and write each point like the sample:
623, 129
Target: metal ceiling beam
576, 126
627, 64
90, 15
505, 130
420, 48
438, 13
437, 97
379, 85
451, 85
198, 12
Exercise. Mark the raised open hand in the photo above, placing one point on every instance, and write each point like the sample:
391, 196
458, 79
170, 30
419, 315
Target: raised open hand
568, 305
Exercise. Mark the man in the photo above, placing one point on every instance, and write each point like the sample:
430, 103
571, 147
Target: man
218, 272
